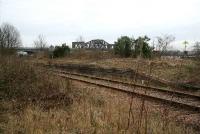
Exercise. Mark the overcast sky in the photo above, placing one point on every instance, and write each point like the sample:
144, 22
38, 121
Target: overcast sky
64, 20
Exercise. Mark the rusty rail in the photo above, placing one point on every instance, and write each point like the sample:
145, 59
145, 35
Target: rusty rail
149, 97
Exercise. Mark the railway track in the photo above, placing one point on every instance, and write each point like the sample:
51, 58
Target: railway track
173, 98
118, 72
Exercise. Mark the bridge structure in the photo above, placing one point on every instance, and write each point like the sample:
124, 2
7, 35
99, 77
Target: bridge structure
93, 44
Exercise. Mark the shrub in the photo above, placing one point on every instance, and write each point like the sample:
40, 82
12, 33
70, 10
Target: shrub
61, 51
19, 79
142, 47
123, 46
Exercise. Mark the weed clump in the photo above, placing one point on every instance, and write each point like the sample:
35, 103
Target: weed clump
20, 80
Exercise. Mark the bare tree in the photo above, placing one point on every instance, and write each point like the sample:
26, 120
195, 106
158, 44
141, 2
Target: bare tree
196, 48
9, 37
164, 42
40, 43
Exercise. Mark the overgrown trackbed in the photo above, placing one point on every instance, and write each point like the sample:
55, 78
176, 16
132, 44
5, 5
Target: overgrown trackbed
181, 100
124, 73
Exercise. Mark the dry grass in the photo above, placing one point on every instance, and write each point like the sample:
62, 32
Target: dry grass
25, 81
77, 57
94, 109
168, 68
23, 85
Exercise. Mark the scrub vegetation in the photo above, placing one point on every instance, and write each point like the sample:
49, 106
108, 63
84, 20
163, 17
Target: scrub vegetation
35, 101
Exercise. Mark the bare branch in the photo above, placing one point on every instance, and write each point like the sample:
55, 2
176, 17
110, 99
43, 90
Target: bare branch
9, 36
164, 42
40, 43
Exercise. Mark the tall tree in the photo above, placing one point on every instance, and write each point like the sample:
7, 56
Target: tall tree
163, 43
142, 47
40, 42
196, 48
9, 36
123, 46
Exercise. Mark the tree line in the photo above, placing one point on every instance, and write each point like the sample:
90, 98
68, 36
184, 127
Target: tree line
127, 46
124, 46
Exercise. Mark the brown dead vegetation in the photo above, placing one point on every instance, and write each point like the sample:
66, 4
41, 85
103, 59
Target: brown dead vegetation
23, 83
44, 102
185, 70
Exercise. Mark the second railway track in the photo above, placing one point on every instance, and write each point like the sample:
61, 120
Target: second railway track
175, 98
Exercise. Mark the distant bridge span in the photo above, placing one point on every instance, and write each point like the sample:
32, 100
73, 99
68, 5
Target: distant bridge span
28, 50
93, 44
